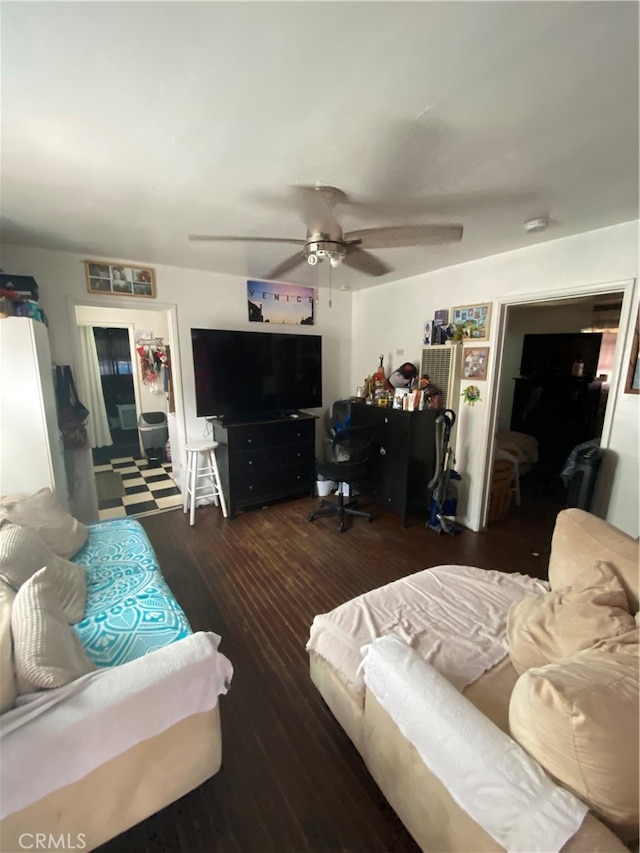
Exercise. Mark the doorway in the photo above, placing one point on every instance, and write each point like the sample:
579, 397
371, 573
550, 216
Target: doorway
567, 404
132, 388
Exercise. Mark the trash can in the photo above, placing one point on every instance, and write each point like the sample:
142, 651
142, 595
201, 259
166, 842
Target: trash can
583, 479
154, 433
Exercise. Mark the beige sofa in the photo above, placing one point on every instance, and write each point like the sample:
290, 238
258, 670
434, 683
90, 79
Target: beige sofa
571, 704
109, 714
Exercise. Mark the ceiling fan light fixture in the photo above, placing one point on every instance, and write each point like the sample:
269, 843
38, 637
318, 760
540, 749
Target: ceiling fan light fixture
335, 260
536, 225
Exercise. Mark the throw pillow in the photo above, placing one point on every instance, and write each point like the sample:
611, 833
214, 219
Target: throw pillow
22, 553
579, 538
43, 513
579, 720
7, 675
47, 653
548, 628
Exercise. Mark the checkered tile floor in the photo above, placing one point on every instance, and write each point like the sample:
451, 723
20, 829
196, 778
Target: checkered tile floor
147, 488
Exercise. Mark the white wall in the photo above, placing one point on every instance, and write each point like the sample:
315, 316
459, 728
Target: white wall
202, 300
390, 317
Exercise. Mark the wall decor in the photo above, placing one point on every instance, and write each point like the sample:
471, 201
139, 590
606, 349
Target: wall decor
474, 363
471, 395
472, 321
270, 302
632, 385
120, 279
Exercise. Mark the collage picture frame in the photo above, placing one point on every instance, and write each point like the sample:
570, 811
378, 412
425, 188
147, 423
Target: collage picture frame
120, 279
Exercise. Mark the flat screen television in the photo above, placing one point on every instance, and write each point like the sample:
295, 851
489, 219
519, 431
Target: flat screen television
251, 375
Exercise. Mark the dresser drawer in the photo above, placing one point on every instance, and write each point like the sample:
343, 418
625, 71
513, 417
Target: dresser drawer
247, 437
249, 461
266, 485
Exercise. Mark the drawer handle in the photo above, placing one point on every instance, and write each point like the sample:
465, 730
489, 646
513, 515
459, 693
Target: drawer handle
251, 462
249, 440
383, 452
386, 420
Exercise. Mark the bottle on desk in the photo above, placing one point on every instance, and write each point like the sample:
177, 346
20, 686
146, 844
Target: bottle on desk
379, 377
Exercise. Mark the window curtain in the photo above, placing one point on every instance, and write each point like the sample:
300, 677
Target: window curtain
114, 351
91, 388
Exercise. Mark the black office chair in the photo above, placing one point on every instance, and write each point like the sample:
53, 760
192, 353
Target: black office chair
351, 448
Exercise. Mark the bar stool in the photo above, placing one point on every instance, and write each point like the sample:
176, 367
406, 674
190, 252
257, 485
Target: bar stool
196, 472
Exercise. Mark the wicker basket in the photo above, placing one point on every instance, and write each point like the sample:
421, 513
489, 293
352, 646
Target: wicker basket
501, 491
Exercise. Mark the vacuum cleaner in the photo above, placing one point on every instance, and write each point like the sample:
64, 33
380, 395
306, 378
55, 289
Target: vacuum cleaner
444, 501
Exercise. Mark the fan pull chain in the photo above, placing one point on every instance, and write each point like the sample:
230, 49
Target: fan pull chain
330, 268
317, 285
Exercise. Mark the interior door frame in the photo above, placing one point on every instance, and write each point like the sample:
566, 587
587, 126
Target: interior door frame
117, 304
501, 311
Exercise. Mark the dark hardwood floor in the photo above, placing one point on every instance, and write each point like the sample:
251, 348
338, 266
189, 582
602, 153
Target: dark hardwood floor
291, 780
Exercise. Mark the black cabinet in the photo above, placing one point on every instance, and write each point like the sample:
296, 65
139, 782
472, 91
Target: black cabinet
264, 461
403, 458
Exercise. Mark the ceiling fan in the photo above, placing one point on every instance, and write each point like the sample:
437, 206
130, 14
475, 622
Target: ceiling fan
326, 240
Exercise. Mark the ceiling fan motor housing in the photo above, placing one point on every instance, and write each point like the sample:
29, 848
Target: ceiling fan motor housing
322, 250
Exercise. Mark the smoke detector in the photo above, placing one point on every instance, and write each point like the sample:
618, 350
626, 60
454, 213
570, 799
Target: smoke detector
534, 226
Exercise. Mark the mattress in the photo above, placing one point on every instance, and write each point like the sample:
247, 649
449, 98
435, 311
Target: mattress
130, 610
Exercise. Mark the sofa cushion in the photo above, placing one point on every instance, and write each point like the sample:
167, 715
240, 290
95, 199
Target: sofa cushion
7, 674
22, 553
579, 539
46, 651
548, 628
43, 513
579, 720
130, 609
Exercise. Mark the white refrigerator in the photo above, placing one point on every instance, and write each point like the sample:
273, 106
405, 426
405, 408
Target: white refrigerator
31, 450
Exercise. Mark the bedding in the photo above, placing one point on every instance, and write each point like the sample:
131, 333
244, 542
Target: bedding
453, 616
130, 610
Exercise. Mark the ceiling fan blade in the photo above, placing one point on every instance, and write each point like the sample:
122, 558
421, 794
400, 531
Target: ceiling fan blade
401, 236
285, 267
196, 238
365, 262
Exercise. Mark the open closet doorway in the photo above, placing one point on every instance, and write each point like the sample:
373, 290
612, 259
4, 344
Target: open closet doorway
128, 378
558, 368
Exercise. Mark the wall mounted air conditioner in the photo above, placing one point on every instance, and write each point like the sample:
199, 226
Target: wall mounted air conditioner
443, 365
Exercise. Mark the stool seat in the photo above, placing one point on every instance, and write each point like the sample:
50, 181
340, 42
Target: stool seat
196, 472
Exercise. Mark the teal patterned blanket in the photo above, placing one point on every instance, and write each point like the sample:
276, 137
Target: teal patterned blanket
130, 609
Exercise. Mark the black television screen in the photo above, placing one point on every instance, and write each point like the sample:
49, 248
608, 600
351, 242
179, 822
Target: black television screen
254, 374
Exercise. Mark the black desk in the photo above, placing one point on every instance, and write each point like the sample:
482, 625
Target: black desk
403, 457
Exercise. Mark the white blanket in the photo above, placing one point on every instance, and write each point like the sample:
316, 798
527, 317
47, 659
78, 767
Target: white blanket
453, 616
487, 773
61, 735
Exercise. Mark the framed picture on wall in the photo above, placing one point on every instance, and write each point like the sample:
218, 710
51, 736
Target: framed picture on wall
474, 321
474, 363
120, 279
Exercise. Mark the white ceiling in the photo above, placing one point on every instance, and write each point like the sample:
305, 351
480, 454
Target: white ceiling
128, 126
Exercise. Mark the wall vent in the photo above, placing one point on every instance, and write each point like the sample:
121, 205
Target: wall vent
443, 365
